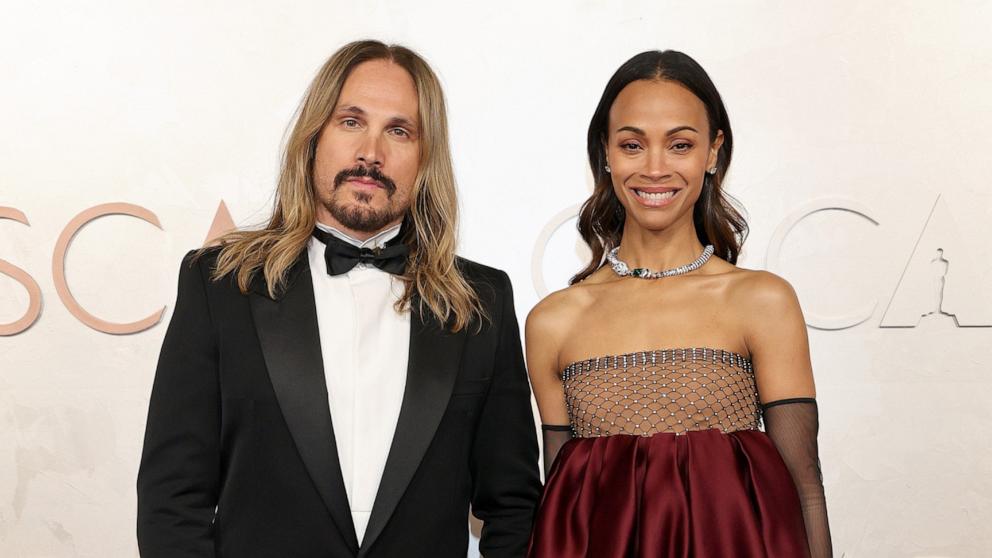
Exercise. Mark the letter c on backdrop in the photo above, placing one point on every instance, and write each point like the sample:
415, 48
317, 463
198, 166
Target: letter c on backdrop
58, 268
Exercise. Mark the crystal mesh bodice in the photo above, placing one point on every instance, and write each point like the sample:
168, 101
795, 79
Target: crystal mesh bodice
669, 390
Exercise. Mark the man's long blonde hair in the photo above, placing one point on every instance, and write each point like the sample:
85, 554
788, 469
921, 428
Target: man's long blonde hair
431, 275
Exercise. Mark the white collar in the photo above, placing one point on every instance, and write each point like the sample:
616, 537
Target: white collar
375, 241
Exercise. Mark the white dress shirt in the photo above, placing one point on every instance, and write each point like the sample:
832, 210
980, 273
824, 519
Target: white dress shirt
365, 346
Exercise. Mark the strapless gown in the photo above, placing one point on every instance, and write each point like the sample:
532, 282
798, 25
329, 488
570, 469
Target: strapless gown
667, 460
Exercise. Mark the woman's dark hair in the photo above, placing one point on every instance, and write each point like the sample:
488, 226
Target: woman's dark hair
602, 216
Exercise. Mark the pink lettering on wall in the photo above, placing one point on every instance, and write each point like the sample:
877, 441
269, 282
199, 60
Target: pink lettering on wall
222, 224
22, 277
58, 268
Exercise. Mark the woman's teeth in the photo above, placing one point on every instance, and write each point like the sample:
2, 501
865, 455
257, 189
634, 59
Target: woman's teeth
656, 196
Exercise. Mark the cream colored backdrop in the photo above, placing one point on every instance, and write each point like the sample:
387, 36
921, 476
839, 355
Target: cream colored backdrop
862, 160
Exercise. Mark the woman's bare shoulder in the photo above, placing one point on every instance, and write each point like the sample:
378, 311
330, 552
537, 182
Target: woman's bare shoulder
559, 306
754, 296
762, 289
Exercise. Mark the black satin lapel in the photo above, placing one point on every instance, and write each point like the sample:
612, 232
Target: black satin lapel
287, 330
431, 370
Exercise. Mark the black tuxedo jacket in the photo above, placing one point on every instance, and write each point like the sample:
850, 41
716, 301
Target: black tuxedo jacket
240, 461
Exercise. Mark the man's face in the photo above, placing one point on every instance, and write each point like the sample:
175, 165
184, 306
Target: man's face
368, 153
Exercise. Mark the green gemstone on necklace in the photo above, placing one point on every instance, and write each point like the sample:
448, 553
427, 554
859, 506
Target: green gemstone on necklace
621, 268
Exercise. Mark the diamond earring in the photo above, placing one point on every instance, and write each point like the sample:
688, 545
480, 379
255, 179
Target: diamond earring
712, 170
607, 169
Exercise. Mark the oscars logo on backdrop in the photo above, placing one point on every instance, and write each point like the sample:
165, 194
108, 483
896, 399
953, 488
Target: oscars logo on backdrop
940, 266
222, 223
962, 296
926, 289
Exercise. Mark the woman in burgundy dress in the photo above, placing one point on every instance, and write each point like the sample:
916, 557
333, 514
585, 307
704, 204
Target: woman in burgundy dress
656, 369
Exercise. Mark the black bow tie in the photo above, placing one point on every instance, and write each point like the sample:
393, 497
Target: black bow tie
342, 257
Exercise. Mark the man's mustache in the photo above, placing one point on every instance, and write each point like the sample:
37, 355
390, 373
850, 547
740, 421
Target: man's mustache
362, 172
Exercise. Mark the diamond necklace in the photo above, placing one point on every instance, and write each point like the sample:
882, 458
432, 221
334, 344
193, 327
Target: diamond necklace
621, 269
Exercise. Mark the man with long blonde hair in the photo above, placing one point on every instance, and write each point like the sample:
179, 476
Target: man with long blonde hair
339, 382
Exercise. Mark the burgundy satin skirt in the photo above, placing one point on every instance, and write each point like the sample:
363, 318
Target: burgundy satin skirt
704, 494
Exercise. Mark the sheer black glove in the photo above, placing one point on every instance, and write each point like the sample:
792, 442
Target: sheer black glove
792, 424
555, 436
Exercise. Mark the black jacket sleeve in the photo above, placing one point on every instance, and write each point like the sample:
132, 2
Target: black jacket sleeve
180, 464
506, 480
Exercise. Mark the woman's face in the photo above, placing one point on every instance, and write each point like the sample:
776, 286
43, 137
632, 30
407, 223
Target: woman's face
658, 150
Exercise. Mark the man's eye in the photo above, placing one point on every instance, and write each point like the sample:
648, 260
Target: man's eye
401, 132
349, 123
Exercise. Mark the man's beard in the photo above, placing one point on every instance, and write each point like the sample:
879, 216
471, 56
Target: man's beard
359, 215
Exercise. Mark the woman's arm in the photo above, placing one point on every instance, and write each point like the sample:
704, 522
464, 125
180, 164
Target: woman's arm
777, 340
543, 330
